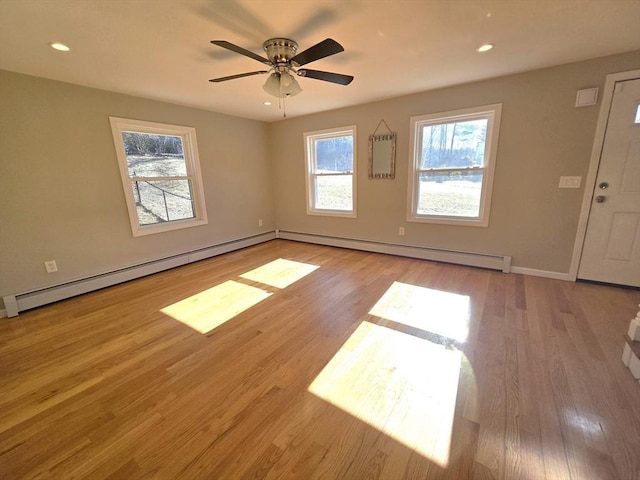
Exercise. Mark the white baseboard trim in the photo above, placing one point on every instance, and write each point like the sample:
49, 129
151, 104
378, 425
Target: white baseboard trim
494, 262
27, 300
542, 273
24, 301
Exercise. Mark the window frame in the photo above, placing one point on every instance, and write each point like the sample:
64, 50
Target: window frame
311, 174
192, 164
493, 115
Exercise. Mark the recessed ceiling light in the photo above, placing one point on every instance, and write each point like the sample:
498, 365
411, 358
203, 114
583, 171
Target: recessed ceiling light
59, 46
267, 103
485, 48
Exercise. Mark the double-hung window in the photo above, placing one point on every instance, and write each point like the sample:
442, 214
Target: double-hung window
453, 160
331, 172
160, 173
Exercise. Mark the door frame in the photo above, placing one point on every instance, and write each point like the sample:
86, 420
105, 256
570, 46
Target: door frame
594, 164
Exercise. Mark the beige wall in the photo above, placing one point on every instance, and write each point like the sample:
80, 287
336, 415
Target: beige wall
543, 136
60, 190
61, 197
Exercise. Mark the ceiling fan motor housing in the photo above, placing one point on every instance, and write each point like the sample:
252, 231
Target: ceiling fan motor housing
280, 50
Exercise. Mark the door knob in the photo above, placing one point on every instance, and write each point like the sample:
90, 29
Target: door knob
600, 199
603, 185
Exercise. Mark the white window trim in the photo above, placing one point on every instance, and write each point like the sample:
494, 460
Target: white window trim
309, 137
493, 114
192, 161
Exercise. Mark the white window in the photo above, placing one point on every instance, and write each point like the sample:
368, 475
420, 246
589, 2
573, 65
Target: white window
160, 173
454, 156
331, 172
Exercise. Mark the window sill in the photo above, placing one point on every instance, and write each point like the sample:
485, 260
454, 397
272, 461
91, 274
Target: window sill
141, 230
459, 221
332, 213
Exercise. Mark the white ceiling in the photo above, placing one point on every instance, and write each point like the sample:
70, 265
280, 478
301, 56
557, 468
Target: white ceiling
160, 49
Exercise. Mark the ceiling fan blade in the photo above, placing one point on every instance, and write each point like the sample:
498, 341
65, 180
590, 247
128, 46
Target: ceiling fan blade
239, 75
319, 50
240, 50
326, 76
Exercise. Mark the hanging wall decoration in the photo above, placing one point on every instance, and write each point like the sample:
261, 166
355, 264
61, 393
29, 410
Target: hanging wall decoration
382, 153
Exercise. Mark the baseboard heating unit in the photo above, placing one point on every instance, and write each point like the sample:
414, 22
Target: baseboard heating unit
484, 260
36, 298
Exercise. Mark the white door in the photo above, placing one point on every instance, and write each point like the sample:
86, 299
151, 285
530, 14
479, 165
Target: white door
611, 251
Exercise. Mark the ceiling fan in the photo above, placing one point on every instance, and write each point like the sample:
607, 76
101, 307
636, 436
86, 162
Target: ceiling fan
285, 63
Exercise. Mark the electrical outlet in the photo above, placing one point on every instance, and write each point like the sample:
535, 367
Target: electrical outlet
51, 266
401, 231
260, 222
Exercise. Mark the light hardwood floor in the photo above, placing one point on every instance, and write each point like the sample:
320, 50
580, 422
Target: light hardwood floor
367, 367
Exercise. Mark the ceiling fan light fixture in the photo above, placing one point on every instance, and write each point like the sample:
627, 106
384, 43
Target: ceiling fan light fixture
285, 80
289, 84
272, 85
281, 85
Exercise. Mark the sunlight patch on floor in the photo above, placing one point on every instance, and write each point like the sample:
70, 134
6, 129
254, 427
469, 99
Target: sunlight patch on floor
434, 311
400, 384
210, 308
280, 273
